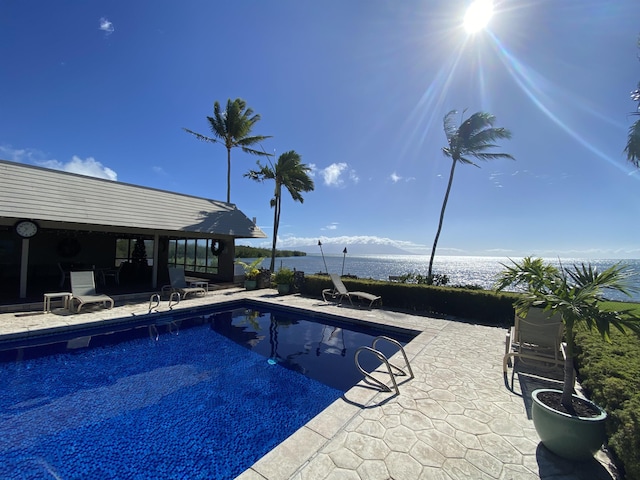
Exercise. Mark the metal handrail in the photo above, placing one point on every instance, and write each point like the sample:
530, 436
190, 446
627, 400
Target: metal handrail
156, 297
177, 295
399, 345
384, 360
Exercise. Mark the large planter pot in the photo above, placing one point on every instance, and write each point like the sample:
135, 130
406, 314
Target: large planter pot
572, 437
250, 284
283, 288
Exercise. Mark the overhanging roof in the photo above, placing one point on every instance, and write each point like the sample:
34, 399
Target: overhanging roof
68, 198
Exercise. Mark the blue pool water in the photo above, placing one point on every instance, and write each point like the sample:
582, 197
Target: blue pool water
175, 401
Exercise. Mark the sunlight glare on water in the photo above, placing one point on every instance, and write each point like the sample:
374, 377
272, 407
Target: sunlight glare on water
462, 270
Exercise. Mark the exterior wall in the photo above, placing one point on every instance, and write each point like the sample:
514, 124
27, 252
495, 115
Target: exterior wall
83, 250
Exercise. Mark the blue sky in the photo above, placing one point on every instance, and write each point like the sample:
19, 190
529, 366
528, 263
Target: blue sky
359, 89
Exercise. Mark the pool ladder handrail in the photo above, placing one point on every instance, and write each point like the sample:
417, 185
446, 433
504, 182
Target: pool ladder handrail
171, 298
155, 297
390, 366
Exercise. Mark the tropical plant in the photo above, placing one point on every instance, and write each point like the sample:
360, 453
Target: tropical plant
472, 138
232, 127
251, 270
290, 172
576, 294
284, 276
633, 140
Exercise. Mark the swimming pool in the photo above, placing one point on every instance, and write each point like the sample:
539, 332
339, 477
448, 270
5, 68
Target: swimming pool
171, 399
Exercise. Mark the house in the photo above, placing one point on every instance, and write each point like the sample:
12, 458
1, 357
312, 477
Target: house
53, 221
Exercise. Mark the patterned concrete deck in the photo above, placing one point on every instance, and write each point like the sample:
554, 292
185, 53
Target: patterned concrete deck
454, 420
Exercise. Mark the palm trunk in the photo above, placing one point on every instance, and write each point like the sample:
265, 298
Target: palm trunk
567, 387
276, 225
444, 206
228, 175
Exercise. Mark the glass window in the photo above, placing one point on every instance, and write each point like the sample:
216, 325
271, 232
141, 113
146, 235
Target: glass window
194, 255
125, 250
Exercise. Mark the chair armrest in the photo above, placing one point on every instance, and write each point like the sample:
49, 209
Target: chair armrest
563, 346
507, 341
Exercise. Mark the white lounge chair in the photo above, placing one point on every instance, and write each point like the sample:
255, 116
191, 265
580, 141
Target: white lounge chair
339, 291
83, 289
537, 338
179, 283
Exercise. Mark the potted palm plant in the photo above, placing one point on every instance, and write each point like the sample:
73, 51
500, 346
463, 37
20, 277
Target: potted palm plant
568, 425
283, 279
251, 272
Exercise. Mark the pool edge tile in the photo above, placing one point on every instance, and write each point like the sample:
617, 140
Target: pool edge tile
290, 455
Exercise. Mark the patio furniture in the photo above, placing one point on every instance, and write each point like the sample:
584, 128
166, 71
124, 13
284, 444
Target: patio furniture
199, 283
339, 291
536, 338
64, 274
83, 288
65, 296
112, 273
179, 283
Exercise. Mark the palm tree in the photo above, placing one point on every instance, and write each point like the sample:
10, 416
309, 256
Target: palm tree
232, 127
576, 294
633, 141
472, 138
290, 173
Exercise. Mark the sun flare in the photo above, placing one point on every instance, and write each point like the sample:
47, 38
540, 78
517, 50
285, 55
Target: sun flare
478, 15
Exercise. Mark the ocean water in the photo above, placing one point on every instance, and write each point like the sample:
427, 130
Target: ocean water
461, 270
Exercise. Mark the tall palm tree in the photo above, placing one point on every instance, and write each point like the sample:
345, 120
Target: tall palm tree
290, 173
473, 137
633, 141
232, 127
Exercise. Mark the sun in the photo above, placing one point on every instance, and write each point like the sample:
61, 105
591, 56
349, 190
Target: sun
478, 15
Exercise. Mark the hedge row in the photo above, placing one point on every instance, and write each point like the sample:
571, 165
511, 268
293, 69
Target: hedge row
610, 374
481, 306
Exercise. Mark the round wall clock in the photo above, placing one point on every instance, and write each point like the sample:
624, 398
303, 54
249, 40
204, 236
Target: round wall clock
26, 228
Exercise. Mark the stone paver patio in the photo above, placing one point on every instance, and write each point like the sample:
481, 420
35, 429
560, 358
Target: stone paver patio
455, 420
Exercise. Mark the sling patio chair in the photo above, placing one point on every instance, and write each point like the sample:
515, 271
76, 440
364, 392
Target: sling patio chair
83, 290
339, 291
179, 283
535, 340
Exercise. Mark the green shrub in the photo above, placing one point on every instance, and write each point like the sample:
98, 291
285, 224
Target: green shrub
284, 276
482, 306
610, 374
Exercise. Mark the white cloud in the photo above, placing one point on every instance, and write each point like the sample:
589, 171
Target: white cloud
106, 26
312, 169
20, 155
89, 167
495, 179
160, 171
395, 178
292, 241
331, 226
333, 175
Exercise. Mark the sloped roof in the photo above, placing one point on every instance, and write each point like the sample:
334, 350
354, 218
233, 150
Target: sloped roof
54, 196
